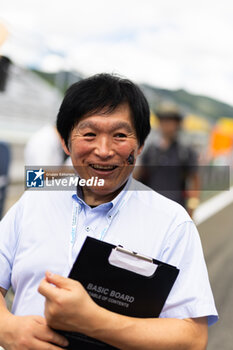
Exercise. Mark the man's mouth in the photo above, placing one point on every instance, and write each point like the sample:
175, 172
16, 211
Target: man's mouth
103, 167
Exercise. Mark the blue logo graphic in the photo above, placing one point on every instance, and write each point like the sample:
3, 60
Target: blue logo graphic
35, 178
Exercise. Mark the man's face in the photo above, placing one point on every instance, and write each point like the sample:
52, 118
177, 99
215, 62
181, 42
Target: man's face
169, 127
99, 147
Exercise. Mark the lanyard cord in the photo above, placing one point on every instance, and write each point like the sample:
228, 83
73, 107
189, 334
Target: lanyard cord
74, 226
73, 234
73, 230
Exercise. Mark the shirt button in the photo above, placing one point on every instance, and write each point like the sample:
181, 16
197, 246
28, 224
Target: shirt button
109, 216
88, 228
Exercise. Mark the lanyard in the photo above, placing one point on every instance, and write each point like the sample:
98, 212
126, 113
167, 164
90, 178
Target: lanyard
73, 230
74, 226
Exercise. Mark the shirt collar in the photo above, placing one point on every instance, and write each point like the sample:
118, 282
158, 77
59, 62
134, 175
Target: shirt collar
111, 207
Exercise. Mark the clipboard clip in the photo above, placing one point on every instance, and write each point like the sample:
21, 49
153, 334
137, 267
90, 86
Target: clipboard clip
121, 249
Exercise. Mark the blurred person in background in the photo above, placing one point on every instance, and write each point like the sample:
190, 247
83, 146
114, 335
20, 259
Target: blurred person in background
167, 165
5, 63
44, 148
4, 173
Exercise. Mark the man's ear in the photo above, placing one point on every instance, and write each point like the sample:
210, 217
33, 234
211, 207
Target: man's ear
140, 149
65, 148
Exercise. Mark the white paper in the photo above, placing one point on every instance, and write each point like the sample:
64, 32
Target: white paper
132, 263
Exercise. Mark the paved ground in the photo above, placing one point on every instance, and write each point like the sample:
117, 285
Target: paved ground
217, 239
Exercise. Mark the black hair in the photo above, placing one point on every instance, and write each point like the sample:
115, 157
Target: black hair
103, 93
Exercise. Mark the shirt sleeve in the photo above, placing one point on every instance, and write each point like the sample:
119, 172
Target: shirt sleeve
191, 295
9, 233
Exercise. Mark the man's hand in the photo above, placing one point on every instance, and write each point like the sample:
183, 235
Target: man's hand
68, 306
31, 332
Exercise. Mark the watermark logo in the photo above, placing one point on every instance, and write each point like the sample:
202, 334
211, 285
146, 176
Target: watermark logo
57, 178
35, 178
73, 181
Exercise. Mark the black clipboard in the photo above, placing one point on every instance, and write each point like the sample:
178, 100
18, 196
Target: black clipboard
117, 289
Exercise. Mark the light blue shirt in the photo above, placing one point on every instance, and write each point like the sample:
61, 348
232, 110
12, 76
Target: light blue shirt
36, 235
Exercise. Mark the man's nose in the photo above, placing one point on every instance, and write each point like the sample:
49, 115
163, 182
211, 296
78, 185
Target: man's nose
103, 147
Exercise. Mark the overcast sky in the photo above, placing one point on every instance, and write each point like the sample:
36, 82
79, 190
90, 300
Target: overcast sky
167, 43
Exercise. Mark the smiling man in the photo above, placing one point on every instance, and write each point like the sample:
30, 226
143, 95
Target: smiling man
103, 122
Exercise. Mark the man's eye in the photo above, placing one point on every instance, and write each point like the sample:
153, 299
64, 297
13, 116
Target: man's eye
120, 135
89, 134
